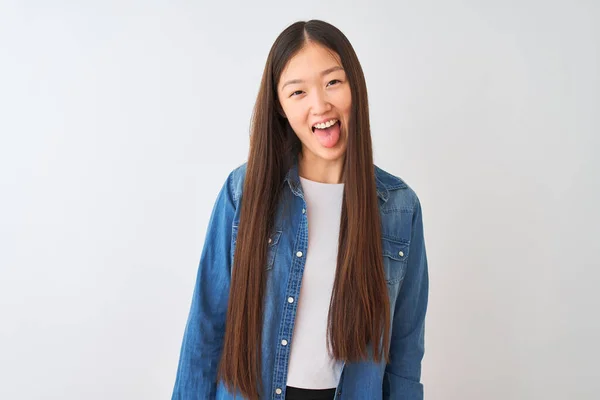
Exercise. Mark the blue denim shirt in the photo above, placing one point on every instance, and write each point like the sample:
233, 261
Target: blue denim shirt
406, 274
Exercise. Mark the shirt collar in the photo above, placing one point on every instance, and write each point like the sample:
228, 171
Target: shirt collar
384, 181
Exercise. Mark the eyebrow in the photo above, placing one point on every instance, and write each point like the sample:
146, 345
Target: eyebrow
326, 72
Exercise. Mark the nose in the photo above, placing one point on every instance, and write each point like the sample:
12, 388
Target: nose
320, 103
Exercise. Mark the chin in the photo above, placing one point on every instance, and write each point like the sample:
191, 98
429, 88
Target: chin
332, 154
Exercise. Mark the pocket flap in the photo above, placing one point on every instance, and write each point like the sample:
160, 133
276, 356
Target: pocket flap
395, 250
274, 238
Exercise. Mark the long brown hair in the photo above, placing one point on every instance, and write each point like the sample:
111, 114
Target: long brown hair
359, 313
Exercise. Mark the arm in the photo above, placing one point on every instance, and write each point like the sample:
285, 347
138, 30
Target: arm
205, 327
407, 346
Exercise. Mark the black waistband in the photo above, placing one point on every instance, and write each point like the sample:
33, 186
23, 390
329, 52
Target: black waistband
293, 393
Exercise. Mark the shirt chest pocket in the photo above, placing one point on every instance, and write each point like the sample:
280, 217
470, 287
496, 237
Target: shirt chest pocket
395, 259
272, 243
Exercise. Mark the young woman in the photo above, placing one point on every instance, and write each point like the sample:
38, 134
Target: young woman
313, 280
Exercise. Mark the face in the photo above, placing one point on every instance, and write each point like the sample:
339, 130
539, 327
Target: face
313, 90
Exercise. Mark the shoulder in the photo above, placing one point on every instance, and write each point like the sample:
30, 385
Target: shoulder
399, 195
235, 181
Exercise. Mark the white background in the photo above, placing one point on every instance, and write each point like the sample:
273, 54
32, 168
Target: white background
120, 120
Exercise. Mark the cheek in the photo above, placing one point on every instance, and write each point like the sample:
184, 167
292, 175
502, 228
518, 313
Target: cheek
295, 122
343, 102
347, 102
297, 119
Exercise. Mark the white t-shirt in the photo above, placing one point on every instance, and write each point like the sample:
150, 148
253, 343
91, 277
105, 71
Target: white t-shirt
310, 365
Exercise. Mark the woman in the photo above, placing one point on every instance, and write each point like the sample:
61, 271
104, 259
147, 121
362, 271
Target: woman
313, 277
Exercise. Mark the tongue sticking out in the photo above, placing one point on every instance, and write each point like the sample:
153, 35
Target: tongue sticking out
328, 137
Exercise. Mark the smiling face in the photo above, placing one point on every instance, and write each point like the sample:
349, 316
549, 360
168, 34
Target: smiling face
313, 90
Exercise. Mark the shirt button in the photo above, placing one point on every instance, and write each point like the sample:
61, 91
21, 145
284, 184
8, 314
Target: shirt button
299, 254
278, 391
290, 300
284, 342
270, 240
304, 211
401, 254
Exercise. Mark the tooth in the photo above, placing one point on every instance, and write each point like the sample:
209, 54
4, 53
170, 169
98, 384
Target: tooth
325, 125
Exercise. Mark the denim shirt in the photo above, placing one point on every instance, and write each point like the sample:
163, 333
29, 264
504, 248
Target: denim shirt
406, 275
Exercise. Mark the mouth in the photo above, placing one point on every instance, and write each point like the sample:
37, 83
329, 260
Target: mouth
328, 133
323, 126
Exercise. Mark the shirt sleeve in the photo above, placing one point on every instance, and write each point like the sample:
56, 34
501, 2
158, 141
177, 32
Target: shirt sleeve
205, 328
407, 346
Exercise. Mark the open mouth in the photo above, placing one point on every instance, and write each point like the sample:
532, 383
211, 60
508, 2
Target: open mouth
328, 134
325, 127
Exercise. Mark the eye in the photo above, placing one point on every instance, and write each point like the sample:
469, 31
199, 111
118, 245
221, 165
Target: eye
335, 80
294, 94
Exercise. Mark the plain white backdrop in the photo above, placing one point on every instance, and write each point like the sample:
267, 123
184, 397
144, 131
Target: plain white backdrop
120, 120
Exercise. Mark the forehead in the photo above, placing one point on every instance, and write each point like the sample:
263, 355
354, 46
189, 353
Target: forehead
309, 62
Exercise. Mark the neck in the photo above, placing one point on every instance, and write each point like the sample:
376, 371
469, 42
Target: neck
320, 170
